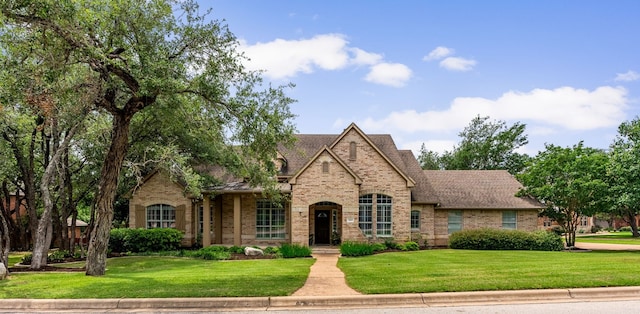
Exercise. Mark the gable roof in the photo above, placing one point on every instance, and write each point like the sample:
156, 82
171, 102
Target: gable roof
326, 149
478, 189
385, 142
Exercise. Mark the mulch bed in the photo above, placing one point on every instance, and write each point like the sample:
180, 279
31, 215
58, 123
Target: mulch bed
52, 268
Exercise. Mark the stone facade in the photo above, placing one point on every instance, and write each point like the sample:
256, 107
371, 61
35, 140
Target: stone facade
325, 176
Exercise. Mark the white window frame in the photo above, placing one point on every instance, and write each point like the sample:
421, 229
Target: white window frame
384, 215
270, 220
160, 216
365, 214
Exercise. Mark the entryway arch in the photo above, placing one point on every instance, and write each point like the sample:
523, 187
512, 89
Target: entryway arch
325, 223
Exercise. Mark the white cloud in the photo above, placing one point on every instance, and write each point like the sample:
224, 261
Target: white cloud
458, 64
438, 146
627, 77
391, 74
565, 107
282, 59
285, 58
438, 53
365, 58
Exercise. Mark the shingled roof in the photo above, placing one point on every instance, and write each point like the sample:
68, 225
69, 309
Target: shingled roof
478, 189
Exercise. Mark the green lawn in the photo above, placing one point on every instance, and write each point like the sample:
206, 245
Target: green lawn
467, 270
612, 238
162, 277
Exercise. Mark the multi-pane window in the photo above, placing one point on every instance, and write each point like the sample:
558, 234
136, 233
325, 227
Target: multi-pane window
383, 218
454, 221
415, 220
509, 219
365, 213
161, 216
270, 222
201, 218
584, 221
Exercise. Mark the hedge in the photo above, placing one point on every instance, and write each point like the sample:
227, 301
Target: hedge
144, 240
498, 239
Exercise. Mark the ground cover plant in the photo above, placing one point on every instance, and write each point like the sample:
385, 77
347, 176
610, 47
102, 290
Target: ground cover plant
611, 238
472, 270
163, 277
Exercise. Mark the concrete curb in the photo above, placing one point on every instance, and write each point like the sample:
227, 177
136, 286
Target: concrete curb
411, 299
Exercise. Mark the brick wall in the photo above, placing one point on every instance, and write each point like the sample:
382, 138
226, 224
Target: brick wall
158, 189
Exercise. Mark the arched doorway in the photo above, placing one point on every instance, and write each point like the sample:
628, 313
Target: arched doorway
325, 224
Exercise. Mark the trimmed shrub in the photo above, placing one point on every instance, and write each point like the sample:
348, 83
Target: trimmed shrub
271, 250
559, 230
498, 239
595, 228
625, 229
294, 250
410, 246
378, 247
144, 240
359, 249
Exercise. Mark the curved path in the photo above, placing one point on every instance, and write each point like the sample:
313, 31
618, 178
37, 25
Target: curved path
325, 278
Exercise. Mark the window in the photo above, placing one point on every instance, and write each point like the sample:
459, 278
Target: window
509, 220
201, 218
353, 150
454, 221
325, 167
546, 222
584, 221
270, 222
415, 220
364, 213
383, 219
161, 216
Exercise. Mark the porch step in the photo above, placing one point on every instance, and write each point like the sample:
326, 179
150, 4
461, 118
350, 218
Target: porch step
325, 250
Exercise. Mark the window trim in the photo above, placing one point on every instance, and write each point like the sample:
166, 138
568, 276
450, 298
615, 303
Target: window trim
510, 225
162, 221
415, 221
384, 215
365, 214
271, 220
451, 224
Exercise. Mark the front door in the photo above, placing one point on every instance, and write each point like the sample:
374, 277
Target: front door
323, 227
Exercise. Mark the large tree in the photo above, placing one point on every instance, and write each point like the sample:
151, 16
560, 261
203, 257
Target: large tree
484, 145
624, 174
154, 54
569, 181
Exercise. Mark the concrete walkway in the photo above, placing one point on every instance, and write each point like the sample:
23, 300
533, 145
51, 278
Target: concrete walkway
325, 278
607, 246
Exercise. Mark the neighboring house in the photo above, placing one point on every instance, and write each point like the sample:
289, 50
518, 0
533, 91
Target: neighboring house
350, 186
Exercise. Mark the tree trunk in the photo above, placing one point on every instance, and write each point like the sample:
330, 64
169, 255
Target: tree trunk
633, 224
5, 238
45, 228
97, 253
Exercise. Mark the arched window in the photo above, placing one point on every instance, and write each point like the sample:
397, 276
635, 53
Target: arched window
353, 152
161, 216
384, 209
383, 218
325, 167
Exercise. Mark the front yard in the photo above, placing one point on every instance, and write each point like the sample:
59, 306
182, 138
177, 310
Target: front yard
468, 270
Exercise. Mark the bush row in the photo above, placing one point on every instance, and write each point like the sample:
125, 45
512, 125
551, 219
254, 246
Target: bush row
361, 249
497, 239
144, 240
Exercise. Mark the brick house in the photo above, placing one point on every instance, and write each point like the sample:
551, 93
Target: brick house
349, 186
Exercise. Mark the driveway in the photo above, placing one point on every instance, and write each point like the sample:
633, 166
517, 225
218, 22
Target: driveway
607, 247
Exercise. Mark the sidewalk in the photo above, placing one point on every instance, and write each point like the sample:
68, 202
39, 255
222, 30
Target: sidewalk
325, 278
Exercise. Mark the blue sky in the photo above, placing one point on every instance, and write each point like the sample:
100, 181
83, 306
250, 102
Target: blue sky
421, 70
